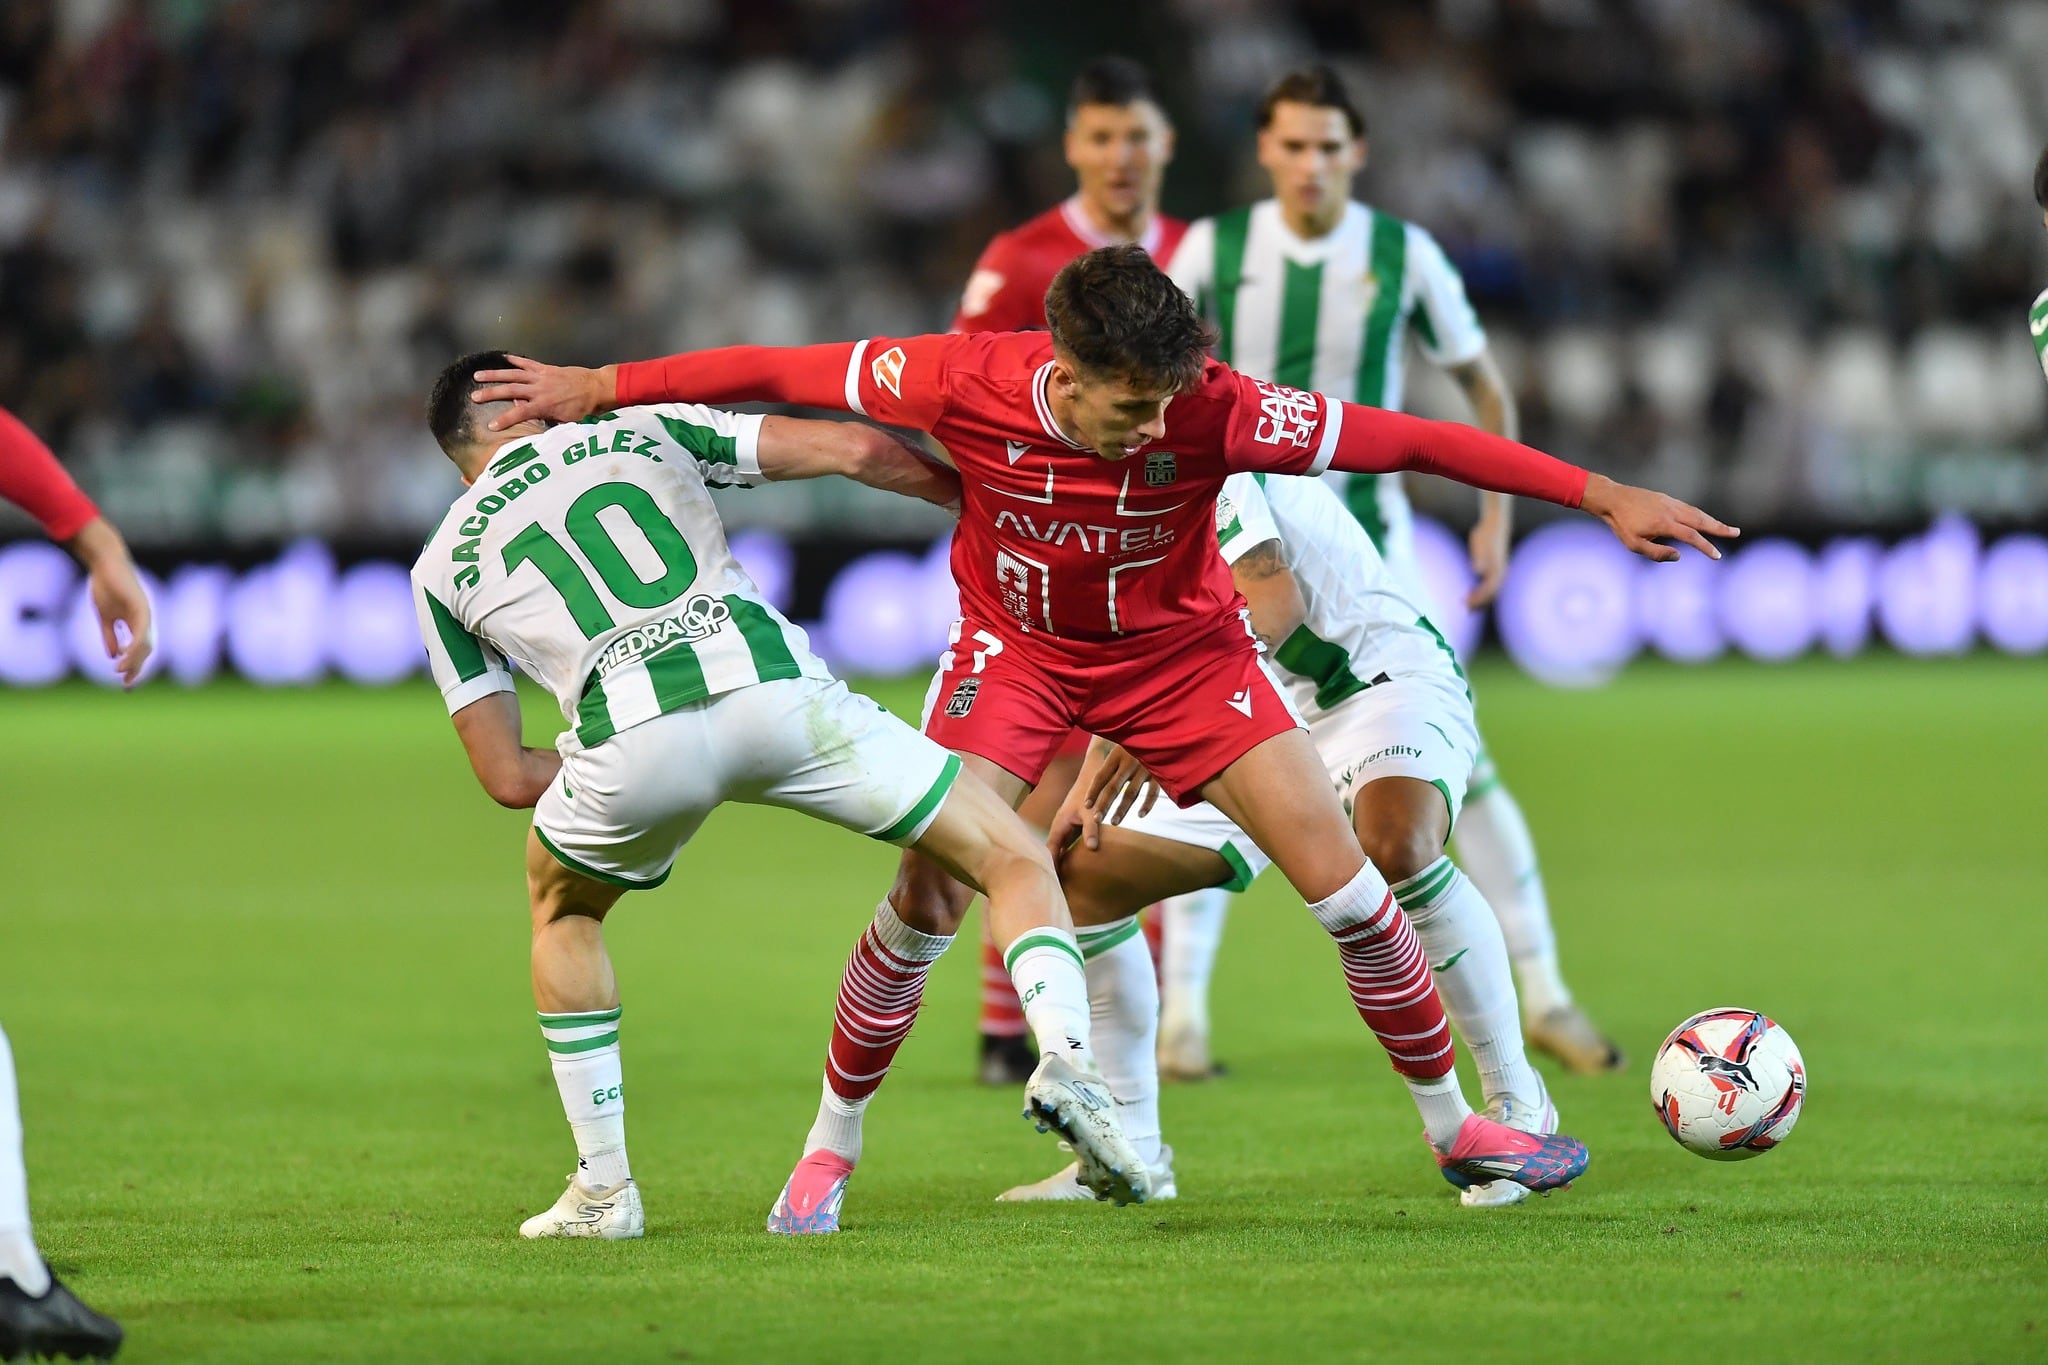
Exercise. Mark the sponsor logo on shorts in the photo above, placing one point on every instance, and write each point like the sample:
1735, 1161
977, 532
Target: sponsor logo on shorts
700, 619
1391, 751
1159, 469
962, 700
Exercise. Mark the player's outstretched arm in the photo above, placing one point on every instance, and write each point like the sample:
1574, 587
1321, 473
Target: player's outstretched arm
513, 774
793, 448
32, 480
1372, 441
809, 376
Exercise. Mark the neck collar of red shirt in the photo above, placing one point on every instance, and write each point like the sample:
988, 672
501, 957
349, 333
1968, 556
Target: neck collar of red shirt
1042, 404
1077, 219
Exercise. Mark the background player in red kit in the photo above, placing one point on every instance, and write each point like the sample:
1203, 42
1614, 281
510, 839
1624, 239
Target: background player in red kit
1092, 596
1118, 141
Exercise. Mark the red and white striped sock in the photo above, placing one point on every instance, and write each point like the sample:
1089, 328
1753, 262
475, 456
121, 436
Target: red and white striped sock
879, 997
1388, 976
1001, 1014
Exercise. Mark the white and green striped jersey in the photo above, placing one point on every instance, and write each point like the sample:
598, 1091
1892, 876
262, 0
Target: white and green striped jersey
2037, 323
1331, 314
1361, 627
592, 556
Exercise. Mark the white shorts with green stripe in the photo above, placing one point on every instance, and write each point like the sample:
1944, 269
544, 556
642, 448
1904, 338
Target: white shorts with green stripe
621, 811
1404, 727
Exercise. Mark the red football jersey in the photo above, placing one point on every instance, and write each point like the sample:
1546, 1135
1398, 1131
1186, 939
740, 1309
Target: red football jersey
1006, 292
1056, 538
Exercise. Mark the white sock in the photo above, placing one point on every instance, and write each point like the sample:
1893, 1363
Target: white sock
1052, 985
1194, 931
1123, 1005
1497, 851
1442, 1106
837, 1128
1470, 964
585, 1051
19, 1259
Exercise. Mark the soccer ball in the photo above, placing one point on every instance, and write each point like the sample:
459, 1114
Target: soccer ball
1728, 1084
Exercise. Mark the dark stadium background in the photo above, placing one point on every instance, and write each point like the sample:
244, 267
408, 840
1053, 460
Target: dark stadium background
1772, 258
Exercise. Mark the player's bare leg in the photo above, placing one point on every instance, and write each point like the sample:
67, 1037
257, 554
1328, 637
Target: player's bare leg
1402, 823
577, 995
976, 843
1006, 1054
1279, 793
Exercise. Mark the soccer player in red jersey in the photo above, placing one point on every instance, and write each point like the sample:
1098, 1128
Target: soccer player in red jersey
1119, 142
38, 1315
1092, 597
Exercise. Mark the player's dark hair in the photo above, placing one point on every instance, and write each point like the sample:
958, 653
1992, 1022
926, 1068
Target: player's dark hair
450, 414
1110, 80
1319, 86
2041, 179
1116, 313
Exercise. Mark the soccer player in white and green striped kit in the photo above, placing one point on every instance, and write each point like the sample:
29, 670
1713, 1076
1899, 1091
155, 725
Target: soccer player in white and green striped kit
1317, 291
591, 552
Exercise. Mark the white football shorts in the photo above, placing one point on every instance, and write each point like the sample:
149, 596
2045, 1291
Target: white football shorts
621, 811
1404, 727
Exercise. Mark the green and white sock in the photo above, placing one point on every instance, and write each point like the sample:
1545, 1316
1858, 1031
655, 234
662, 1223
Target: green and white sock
1052, 984
1498, 852
1123, 1006
584, 1049
1469, 961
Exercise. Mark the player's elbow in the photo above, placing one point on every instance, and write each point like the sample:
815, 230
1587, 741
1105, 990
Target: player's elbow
513, 793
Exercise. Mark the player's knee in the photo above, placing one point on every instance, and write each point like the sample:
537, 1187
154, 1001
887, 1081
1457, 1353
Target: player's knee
926, 898
1398, 847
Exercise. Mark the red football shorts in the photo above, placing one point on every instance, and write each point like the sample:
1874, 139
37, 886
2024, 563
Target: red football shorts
1187, 702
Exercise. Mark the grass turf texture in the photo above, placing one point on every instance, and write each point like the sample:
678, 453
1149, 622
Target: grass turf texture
263, 960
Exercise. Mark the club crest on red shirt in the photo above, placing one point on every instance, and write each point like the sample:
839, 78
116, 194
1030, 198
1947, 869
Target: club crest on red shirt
1159, 469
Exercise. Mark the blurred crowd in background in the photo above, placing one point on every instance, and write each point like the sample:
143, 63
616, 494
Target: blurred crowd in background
1774, 256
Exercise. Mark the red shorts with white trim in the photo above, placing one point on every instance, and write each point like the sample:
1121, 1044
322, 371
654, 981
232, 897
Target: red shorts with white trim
1187, 704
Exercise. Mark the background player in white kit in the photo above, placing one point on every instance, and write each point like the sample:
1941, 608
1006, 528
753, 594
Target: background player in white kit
1317, 291
593, 555
1388, 710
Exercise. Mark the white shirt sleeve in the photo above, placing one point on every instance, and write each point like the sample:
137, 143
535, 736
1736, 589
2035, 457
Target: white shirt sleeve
726, 445
465, 667
1193, 267
1243, 518
1445, 326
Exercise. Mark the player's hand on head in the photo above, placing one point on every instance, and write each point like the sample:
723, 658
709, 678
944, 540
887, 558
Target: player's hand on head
555, 393
1653, 524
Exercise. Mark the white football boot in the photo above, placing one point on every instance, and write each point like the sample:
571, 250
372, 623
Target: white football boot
1065, 1184
1078, 1106
613, 1214
1540, 1118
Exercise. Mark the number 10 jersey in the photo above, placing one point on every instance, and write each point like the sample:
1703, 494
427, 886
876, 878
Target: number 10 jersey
593, 557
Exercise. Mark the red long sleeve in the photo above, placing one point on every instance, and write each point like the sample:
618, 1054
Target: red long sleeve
811, 376
1375, 441
32, 480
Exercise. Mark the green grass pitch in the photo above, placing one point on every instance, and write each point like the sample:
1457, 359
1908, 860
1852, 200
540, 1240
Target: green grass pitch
263, 961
